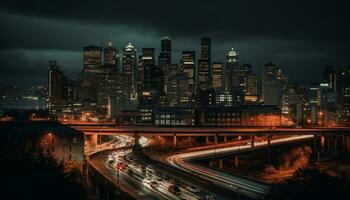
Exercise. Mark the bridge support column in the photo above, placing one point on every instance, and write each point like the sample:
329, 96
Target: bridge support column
94, 139
211, 163
335, 143
221, 163
347, 143
236, 161
136, 138
322, 143
225, 138
192, 140
207, 140
252, 141
174, 140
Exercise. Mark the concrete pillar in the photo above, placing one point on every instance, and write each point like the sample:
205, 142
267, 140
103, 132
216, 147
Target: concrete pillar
252, 141
335, 142
136, 138
211, 163
322, 142
94, 139
216, 138
236, 160
225, 138
221, 163
174, 140
207, 140
191, 140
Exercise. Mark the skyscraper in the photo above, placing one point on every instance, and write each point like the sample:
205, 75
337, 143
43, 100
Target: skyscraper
164, 57
178, 90
129, 68
232, 70
110, 56
92, 58
204, 64
343, 96
271, 86
249, 84
56, 83
151, 79
217, 76
188, 67
330, 77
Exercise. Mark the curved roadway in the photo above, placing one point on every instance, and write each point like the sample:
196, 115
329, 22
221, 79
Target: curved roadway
242, 185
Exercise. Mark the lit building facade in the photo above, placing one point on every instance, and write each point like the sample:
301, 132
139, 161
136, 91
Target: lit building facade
217, 76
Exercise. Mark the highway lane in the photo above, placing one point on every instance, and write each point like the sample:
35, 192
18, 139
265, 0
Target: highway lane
242, 185
134, 184
127, 183
153, 174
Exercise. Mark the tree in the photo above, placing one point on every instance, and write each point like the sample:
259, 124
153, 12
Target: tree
311, 183
32, 175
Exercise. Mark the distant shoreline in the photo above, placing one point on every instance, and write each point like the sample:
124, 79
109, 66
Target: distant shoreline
23, 104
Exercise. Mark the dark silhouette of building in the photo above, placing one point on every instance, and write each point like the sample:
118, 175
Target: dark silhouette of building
204, 64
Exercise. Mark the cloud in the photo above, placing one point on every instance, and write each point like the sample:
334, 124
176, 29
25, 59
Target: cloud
302, 35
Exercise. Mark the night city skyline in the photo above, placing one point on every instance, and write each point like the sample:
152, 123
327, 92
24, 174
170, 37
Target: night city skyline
303, 38
175, 100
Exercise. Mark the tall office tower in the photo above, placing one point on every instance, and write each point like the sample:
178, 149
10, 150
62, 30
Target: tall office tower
110, 57
217, 76
206, 49
89, 84
57, 84
245, 69
249, 84
343, 96
178, 93
251, 88
233, 71
204, 65
151, 79
91, 74
188, 67
172, 70
293, 100
271, 85
312, 102
164, 57
92, 58
330, 77
129, 68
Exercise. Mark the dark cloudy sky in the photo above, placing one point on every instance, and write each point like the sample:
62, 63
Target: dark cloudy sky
301, 36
